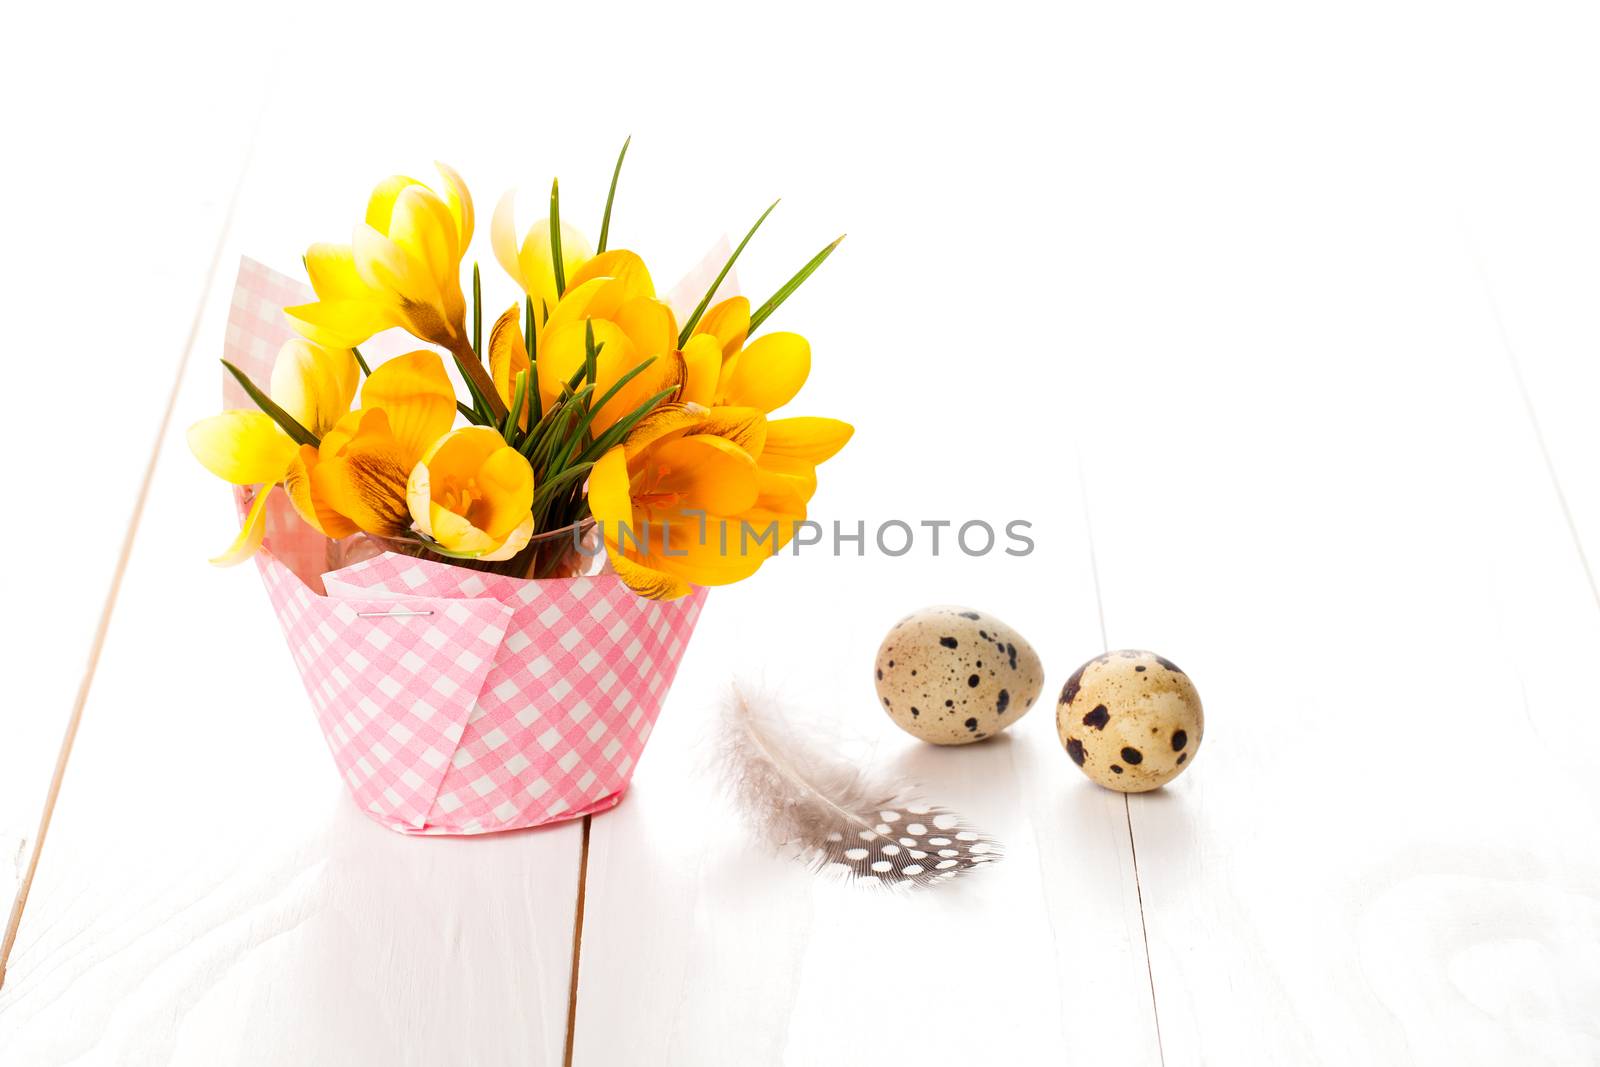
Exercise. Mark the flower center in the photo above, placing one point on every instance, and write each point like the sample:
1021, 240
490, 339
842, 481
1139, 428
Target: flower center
652, 494
464, 497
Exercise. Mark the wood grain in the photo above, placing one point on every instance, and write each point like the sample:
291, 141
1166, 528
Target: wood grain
700, 948
1367, 574
1306, 298
208, 885
100, 339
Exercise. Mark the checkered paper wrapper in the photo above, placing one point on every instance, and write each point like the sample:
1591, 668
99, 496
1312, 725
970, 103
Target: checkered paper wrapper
511, 703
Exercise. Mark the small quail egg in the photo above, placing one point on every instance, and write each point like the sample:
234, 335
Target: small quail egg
1130, 720
951, 675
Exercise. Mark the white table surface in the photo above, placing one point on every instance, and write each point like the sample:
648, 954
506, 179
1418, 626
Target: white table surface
1280, 328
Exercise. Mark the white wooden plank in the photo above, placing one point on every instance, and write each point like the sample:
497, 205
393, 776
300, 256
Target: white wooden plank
670, 206
114, 219
207, 888
1248, 324
1538, 260
700, 948
1524, 188
207, 885
1324, 501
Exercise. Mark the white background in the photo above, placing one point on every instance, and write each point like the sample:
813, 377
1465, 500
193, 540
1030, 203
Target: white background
1277, 321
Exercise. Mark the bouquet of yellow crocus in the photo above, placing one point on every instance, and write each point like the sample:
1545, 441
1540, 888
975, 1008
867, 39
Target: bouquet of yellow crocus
588, 409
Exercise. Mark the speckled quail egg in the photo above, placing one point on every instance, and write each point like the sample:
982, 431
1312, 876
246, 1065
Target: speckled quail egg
952, 676
1130, 720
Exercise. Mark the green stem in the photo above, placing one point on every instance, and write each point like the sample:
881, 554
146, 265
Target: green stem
477, 312
478, 383
286, 422
555, 238
694, 320
787, 289
590, 353
605, 220
514, 416
535, 402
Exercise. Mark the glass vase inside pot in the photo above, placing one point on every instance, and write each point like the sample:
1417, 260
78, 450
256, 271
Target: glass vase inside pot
573, 551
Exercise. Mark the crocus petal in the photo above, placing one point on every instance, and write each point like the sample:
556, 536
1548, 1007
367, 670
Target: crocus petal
507, 481
455, 534
423, 228
702, 359
314, 384
575, 252
783, 476
650, 325
730, 364
769, 371
530, 263
646, 582
332, 269
666, 372
745, 427
785, 490
339, 323
537, 267
250, 534
704, 473
460, 201
618, 263
610, 499
719, 552
344, 431
499, 476
760, 518
419, 499
508, 357
415, 393
471, 493
808, 438
664, 420
366, 482
515, 541
503, 237
297, 482
579, 303
562, 352
387, 267
242, 447
380, 205
728, 321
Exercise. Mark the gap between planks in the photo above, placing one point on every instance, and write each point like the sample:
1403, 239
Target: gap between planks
1530, 410
108, 607
1127, 810
577, 944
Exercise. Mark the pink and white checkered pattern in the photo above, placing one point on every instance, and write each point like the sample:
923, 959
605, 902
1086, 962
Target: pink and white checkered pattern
453, 701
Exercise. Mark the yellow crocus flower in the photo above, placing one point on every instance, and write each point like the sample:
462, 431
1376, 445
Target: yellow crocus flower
612, 296
767, 373
472, 495
245, 447
364, 463
684, 500
402, 268
725, 371
508, 357
792, 450
531, 262
314, 384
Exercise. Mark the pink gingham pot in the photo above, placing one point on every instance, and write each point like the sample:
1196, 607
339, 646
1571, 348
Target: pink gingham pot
456, 701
